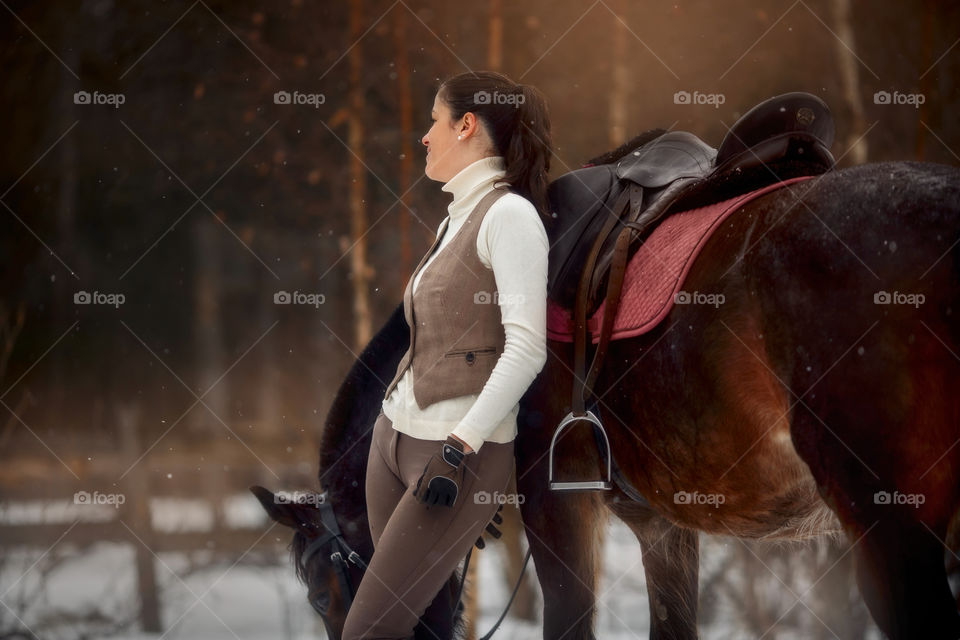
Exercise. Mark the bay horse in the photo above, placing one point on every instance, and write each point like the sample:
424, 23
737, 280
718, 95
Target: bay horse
819, 397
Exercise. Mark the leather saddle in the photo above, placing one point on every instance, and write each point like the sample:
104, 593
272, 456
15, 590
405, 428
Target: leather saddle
671, 171
600, 210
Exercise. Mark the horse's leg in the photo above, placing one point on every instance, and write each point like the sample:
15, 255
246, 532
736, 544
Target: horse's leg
564, 529
671, 560
901, 573
895, 500
525, 603
897, 544
565, 532
437, 620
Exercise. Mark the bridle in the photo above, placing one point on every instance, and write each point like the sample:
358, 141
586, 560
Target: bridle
340, 553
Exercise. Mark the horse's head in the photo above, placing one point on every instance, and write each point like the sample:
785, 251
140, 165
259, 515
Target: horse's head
325, 555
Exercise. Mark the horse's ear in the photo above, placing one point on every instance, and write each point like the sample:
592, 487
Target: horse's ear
283, 512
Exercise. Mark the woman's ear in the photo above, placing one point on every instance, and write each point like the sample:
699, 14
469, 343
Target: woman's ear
468, 125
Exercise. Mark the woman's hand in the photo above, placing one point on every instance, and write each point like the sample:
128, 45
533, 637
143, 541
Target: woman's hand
442, 478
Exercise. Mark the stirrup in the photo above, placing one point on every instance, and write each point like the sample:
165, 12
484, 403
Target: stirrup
584, 485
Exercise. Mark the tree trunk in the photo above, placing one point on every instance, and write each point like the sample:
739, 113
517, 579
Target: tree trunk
269, 379
850, 77
359, 269
406, 137
929, 37
137, 511
495, 44
620, 85
208, 328
69, 243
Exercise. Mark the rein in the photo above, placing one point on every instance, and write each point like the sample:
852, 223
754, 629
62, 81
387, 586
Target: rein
341, 554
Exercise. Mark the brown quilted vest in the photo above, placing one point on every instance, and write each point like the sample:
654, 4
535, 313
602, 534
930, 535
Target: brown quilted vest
456, 332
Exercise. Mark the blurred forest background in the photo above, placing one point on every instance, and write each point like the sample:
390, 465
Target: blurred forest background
186, 193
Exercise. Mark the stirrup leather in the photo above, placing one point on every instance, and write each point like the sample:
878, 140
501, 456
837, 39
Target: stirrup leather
583, 485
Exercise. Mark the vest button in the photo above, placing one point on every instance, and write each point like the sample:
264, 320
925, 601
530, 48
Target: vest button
471, 356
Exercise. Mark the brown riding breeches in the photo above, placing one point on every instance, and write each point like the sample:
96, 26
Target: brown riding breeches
417, 548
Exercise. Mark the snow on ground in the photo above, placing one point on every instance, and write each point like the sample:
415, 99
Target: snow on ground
213, 602
622, 595
204, 601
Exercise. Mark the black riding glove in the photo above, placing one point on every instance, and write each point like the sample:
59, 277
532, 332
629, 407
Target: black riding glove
443, 475
491, 528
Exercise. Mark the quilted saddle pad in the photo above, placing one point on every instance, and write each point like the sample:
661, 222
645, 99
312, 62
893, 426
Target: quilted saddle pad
653, 281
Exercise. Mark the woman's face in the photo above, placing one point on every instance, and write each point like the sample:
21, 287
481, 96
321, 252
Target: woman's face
443, 148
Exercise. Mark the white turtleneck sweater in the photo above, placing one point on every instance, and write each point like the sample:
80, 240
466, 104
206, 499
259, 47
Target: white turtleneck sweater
513, 243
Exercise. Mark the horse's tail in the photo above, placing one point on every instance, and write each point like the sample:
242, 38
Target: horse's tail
953, 323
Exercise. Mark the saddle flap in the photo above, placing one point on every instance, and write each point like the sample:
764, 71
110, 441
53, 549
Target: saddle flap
674, 155
581, 191
580, 202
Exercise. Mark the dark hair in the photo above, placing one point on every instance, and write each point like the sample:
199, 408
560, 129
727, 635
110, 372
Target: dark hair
515, 116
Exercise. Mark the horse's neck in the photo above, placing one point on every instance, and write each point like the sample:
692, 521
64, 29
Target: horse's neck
345, 454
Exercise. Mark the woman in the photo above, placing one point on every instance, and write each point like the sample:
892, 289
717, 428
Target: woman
442, 452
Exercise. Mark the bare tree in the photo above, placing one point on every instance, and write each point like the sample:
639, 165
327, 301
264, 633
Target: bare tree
11, 323
208, 325
620, 85
359, 268
850, 78
495, 42
927, 42
406, 134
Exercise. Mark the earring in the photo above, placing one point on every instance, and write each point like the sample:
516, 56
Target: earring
459, 137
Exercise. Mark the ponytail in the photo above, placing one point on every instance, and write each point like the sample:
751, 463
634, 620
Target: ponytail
517, 120
527, 156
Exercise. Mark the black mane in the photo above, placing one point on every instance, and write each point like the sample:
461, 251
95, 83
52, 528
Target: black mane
626, 147
358, 400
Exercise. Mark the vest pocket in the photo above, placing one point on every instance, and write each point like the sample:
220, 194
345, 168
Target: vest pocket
470, 355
